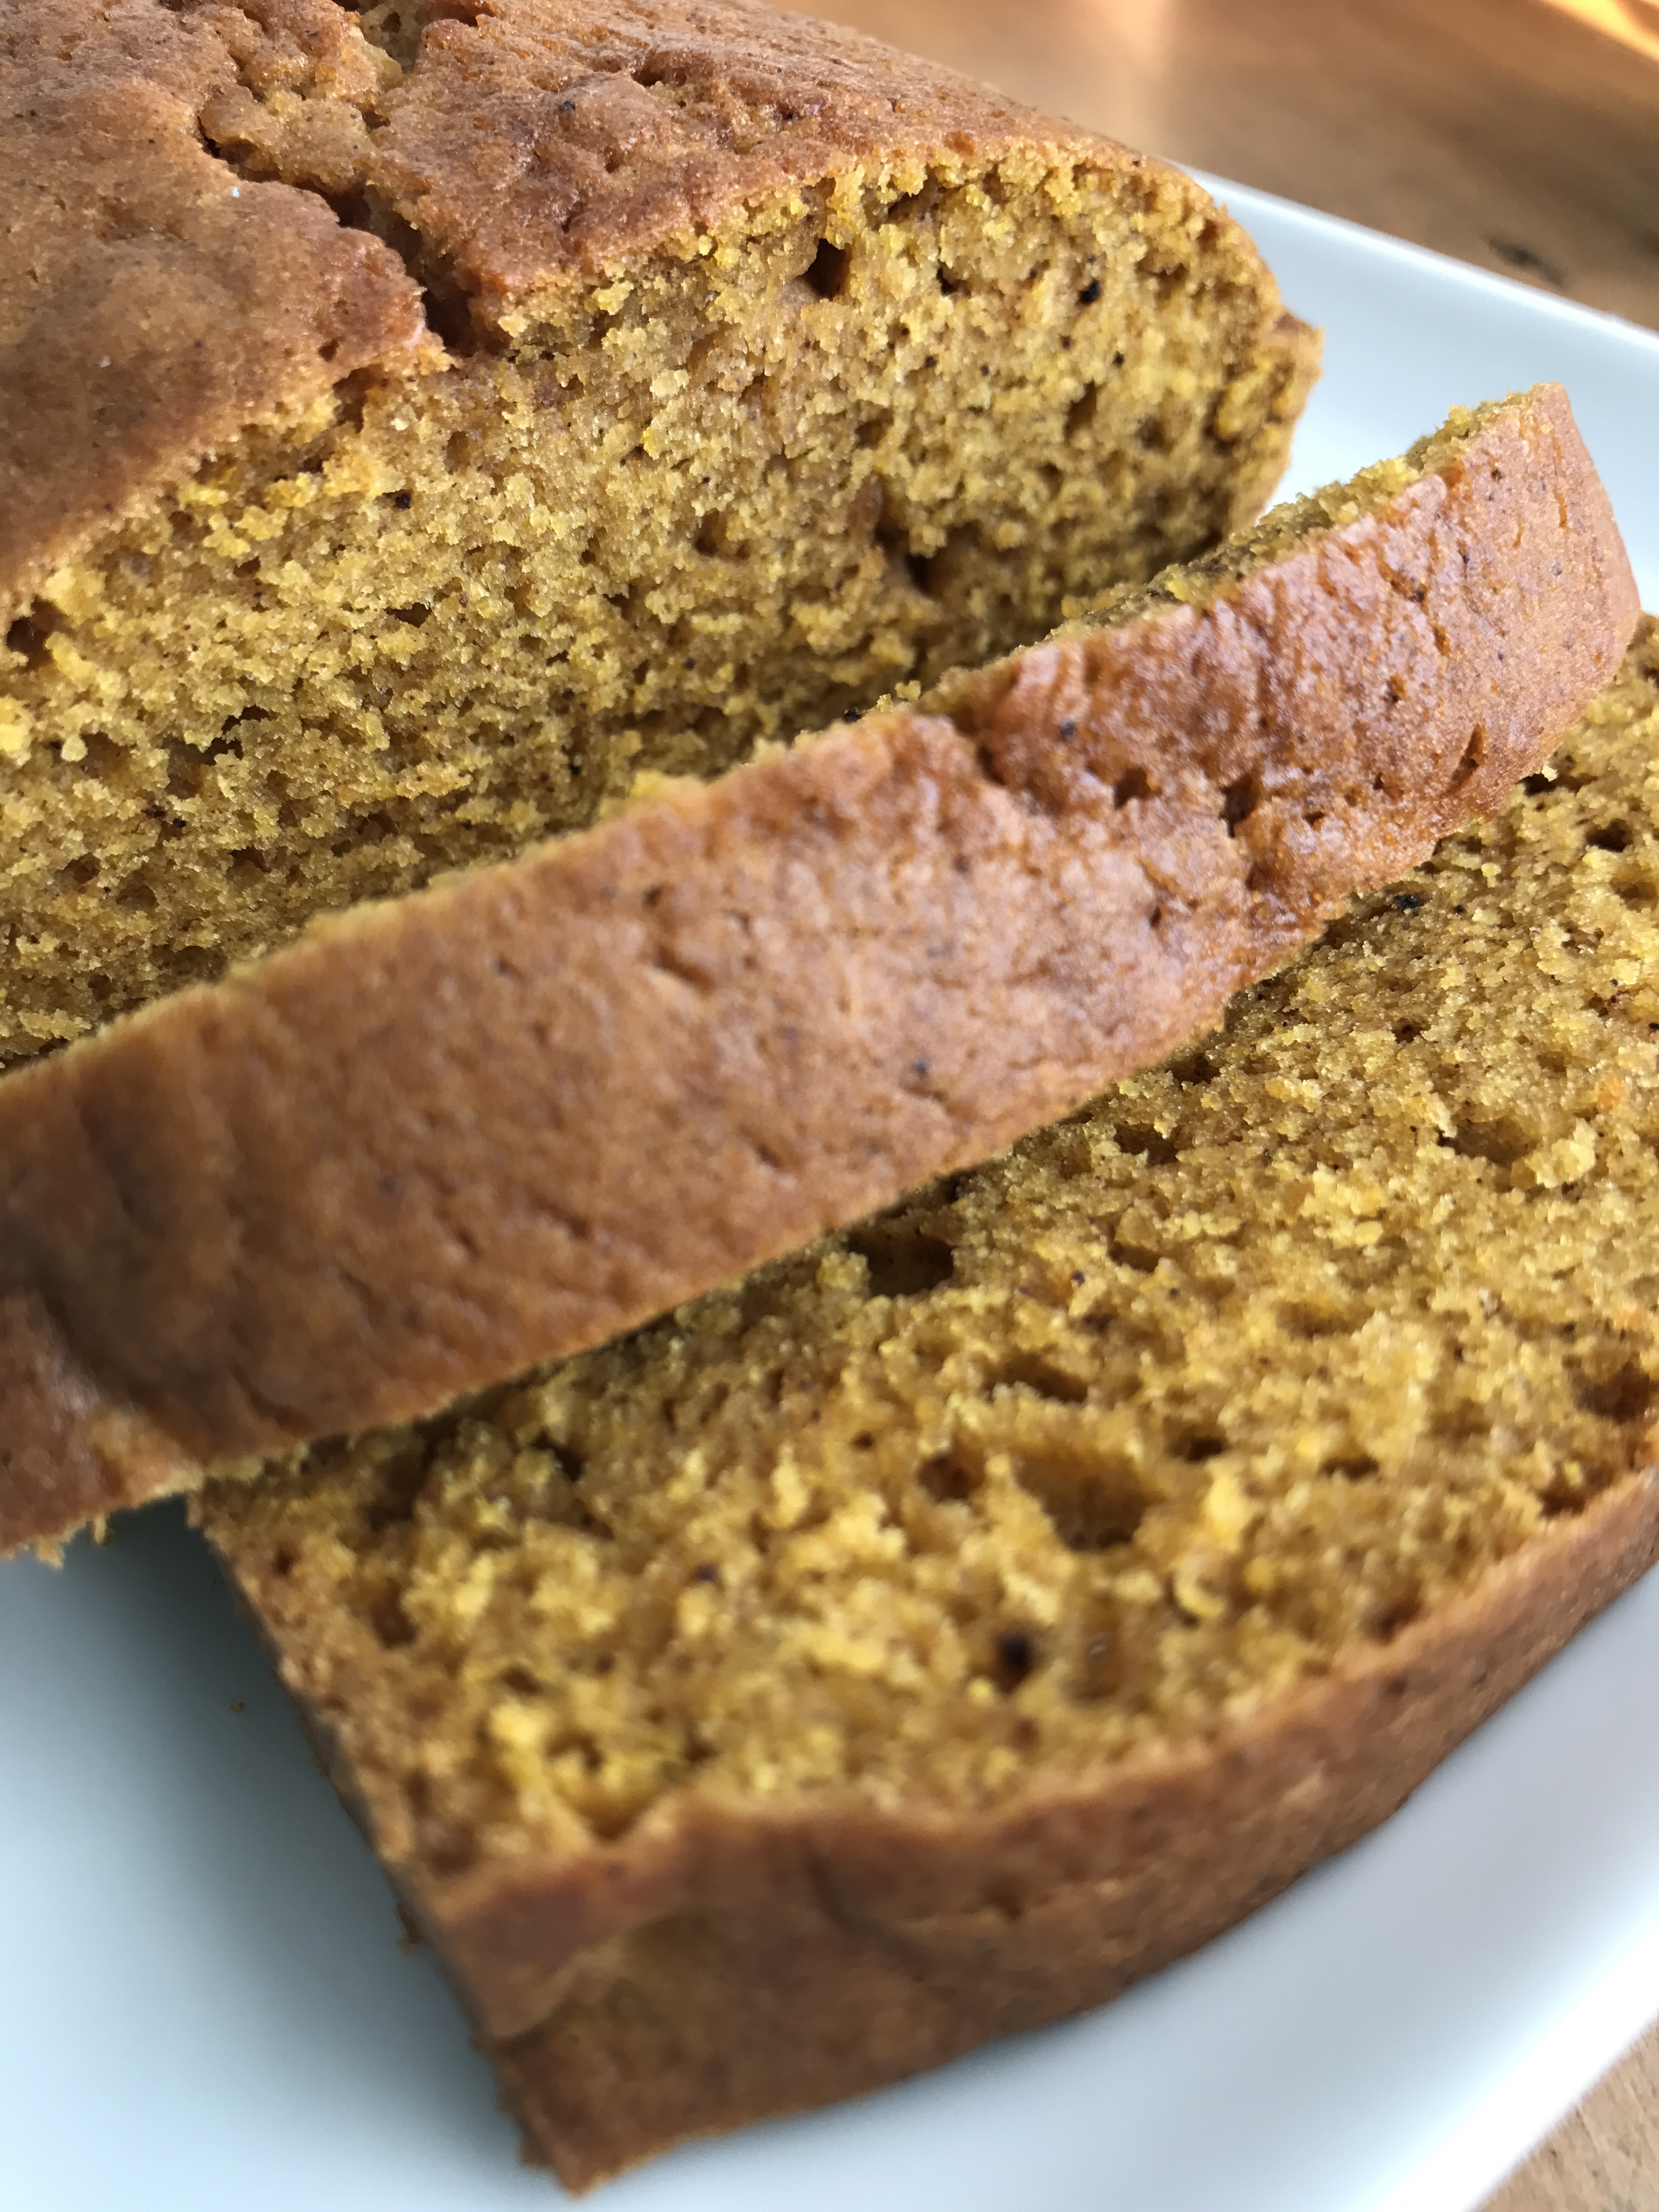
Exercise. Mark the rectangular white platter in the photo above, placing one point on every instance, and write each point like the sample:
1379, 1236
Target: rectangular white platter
203, 2003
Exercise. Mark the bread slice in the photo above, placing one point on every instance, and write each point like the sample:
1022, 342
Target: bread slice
991, 1603
416, 418
502, 1119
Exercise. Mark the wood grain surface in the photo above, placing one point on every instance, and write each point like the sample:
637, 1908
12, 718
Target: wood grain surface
1606, 2157
1520, 135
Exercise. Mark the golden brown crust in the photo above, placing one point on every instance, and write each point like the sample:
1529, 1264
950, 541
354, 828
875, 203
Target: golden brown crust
78, 1458
726, 1963
427, 1146
152, 303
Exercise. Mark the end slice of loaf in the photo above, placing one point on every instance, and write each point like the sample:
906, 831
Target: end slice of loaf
417, 419
502, 1119
986, 1606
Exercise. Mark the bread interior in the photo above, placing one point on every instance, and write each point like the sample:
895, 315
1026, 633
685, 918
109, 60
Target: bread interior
900, 420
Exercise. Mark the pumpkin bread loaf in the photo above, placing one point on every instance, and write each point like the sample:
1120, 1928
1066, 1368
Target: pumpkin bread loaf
415, 419
988, 1604
504, 1119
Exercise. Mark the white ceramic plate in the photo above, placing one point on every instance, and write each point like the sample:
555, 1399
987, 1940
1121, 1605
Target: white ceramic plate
203, 2003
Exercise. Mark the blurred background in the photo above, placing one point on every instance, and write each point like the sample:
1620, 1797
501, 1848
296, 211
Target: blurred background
1521, 135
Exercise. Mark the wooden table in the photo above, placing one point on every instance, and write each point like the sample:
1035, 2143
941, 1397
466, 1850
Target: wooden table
1512, 133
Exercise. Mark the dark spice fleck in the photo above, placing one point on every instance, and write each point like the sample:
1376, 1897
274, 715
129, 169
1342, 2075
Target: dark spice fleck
1090, 292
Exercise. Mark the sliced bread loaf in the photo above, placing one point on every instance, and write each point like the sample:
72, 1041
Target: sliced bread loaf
416, 418
503, 1119
986, 1606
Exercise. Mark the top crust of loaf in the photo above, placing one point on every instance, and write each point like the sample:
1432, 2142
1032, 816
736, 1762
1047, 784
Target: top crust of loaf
152, 303
436, 1141
175, 263
608, 130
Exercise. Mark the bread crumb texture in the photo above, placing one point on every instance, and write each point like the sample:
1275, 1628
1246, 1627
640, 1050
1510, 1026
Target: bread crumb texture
1092, 1449
723, 373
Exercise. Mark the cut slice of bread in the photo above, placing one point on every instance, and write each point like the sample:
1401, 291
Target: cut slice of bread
417, 419
502, 1119
986, 1606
